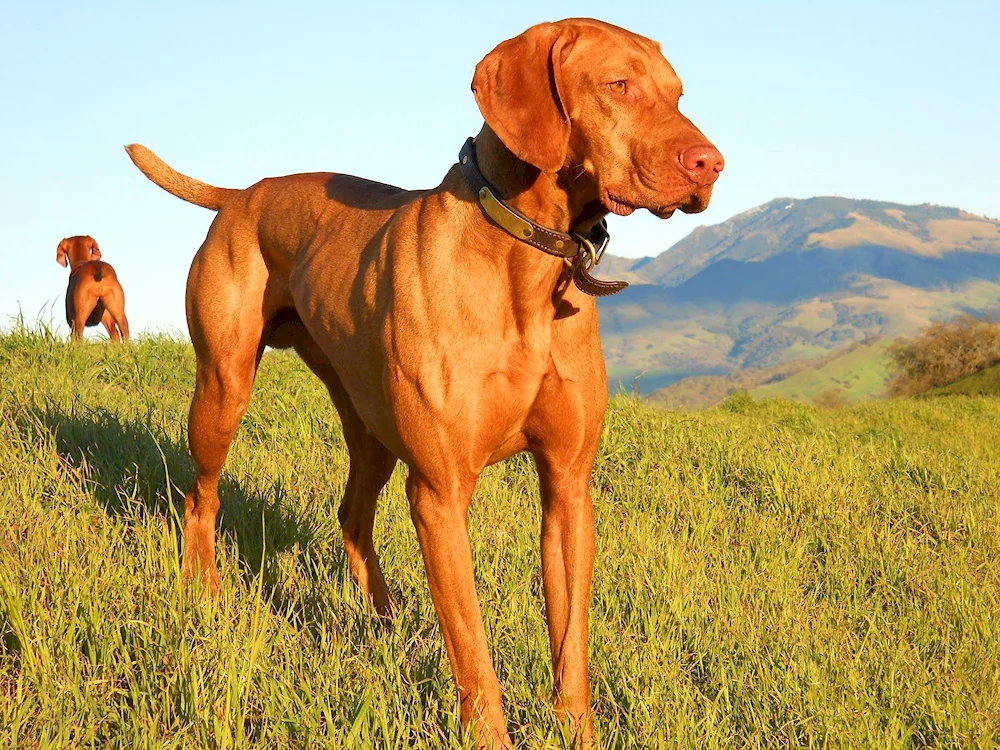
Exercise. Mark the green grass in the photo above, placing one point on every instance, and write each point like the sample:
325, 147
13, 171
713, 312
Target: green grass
768, 574
861, 373
983, 383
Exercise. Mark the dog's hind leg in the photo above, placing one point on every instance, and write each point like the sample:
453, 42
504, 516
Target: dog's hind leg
83, 307
114, 303
78, 326
109, 325
225, 310
371, 466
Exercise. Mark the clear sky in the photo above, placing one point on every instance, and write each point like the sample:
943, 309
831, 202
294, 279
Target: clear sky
895, 101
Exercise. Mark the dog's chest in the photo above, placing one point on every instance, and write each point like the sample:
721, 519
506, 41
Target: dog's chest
426, 367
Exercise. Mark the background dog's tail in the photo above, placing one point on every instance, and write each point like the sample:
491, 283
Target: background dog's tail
184, 187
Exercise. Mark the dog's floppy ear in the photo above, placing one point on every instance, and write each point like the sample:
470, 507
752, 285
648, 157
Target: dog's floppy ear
95, 251
61, 253
517, 88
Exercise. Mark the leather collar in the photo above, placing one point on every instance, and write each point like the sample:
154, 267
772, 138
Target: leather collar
580, 252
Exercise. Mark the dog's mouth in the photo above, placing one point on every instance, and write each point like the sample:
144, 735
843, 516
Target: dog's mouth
698, 202
618, 205
690, 204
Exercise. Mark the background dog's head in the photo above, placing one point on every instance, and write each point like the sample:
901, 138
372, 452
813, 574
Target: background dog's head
73, 251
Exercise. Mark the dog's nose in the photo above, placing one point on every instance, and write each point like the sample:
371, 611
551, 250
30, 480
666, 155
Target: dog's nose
702, 163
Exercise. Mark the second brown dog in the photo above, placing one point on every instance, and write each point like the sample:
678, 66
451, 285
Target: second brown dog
94, 294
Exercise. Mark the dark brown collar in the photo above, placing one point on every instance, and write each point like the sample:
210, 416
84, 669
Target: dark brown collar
580, 252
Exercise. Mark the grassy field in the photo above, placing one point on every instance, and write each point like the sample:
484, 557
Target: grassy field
769, 575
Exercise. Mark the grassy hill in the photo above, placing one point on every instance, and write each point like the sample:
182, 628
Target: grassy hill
704, 391
768, 574
983, 383
854, 373
858, 374
794, 279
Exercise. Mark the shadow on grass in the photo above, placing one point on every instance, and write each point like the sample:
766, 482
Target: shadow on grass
134, 468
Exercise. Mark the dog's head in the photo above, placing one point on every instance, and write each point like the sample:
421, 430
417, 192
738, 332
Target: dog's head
73, 251
597, 101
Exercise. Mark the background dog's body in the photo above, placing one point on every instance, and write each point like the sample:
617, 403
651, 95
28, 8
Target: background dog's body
94, 294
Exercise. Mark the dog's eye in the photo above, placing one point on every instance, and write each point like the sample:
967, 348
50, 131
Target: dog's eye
618, 87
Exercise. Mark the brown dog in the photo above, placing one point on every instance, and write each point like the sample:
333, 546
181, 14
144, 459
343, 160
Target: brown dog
94, 294
446, 342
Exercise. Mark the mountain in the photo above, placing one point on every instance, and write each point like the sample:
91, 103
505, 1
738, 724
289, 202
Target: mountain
795, 279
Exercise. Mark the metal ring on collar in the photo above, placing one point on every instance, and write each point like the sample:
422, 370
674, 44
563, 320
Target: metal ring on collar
589, 254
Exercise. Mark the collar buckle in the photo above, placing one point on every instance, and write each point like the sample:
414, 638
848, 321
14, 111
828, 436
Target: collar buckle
591, 255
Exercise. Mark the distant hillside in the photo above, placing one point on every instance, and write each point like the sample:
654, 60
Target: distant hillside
860, 373
794, 279
855, 373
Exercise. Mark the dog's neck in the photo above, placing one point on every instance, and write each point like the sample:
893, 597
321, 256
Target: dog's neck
553, 200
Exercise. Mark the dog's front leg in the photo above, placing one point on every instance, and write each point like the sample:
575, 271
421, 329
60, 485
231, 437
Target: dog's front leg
567, 567
439, 510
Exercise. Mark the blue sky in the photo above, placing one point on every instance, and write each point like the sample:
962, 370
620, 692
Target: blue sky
895, 101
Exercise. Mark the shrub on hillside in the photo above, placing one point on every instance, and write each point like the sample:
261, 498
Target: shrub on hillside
943, 353
831, 398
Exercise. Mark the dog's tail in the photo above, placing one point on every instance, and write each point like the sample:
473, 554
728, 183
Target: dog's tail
184, 187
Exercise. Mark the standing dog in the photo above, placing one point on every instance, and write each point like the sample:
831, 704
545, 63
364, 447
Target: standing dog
451, 325
94, 294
